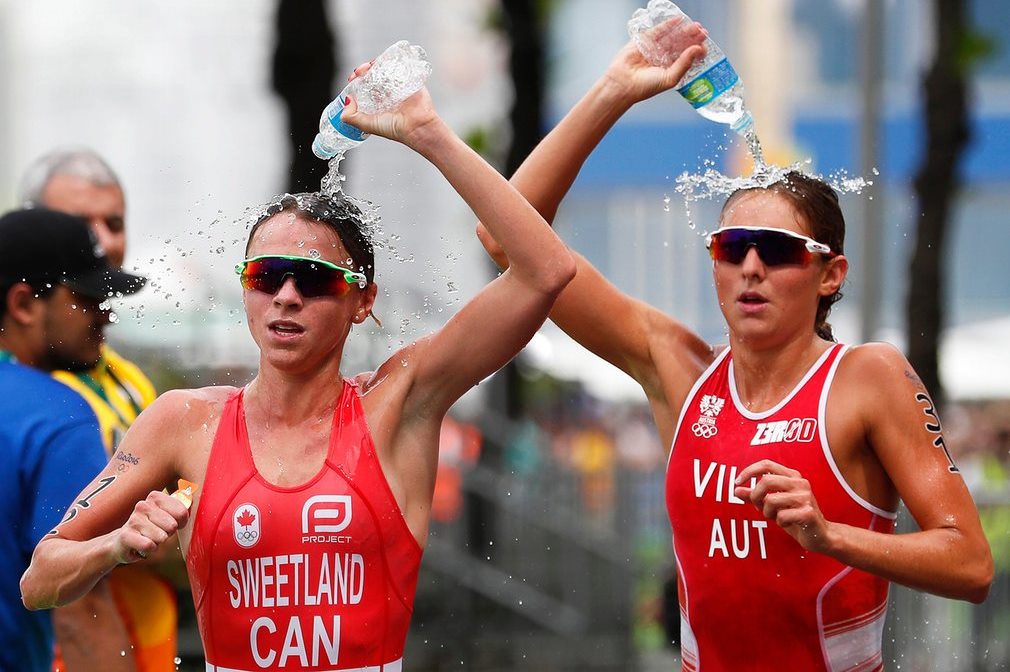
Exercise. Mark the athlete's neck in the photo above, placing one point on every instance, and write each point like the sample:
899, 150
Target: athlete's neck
763, 377
292, 399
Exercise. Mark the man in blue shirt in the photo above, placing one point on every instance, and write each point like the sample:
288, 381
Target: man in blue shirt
54, 278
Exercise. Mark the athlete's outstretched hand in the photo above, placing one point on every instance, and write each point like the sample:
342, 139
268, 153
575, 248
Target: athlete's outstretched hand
401, 124
783, 495
152, 522
640, 79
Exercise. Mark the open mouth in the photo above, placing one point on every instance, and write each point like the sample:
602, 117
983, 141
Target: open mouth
752, 298
285, 328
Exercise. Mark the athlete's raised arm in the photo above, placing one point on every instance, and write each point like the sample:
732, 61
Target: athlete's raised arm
621, 330
490, 329
894, 418
123, 515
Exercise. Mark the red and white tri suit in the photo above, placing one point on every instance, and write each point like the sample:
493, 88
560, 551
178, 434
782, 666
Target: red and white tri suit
311, 578
751, 598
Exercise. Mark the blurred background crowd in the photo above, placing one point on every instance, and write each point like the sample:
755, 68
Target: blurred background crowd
550, 547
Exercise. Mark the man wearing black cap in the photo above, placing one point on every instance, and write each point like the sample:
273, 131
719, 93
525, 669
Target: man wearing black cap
54, 281
80, 182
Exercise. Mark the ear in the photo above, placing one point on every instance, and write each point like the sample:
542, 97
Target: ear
365, 303
23, 308
833, 275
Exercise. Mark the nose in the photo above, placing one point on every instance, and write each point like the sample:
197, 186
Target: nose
288, 294
752, 263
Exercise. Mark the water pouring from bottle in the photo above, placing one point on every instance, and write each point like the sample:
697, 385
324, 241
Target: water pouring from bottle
715, 91
395, 75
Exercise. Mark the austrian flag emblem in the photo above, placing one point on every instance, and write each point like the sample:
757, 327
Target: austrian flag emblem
708, 410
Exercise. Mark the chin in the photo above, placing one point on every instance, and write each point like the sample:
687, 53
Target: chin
286, 360
752, 334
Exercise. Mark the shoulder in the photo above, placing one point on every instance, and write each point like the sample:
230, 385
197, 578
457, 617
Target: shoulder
43, 420
182, 409
874, 379
398, 369
875, 365
31, 395
678, 356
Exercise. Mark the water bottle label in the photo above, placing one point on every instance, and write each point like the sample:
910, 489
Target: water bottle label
346, 130
707, 86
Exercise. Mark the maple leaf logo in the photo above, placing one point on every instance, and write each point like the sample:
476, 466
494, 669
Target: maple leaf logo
246, 518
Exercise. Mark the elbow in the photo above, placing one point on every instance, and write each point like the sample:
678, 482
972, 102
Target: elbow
35, 594
31, 597
973, 576
559, 272
979, 579
491, 246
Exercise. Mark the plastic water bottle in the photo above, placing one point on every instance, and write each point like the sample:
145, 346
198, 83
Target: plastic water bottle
710, 85
396, 75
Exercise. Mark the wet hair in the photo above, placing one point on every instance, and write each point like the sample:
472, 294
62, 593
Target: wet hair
817, 205
82, 163
336, 212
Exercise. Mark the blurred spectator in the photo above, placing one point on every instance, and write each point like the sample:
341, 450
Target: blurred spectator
53, 279
81, 183
459, 447
525, 450
979, 436
593, 457
641, 454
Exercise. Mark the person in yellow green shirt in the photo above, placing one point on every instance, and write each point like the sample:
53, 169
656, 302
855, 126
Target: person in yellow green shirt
81, 183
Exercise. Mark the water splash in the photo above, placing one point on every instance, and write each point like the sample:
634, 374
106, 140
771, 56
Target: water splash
754, 147
331, 185
713, 185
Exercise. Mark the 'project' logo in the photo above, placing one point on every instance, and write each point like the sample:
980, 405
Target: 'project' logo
326, 514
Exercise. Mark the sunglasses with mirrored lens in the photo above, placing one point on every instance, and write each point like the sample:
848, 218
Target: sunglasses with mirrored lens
313, 277
775, 247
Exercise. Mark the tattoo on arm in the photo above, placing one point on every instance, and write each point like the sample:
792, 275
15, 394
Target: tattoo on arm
935, 427
85, 501
126, 459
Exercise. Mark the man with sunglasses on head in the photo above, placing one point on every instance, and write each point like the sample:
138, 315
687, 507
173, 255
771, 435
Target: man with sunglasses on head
54, 280
80, 182
789, 452
315, 487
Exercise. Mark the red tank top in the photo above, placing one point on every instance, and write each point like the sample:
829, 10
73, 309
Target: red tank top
316, 577
751, 598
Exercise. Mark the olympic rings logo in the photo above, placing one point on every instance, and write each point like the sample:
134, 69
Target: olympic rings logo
246, 525
704, 431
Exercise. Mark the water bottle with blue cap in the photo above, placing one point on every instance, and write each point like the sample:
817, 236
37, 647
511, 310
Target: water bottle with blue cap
396, 74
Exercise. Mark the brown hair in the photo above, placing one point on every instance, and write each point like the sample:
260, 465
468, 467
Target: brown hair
336, 212
817, 204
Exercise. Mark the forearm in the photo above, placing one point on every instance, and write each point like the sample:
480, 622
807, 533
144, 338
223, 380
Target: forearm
941, 561
91, 633
548, 173
533, 249
63, 570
